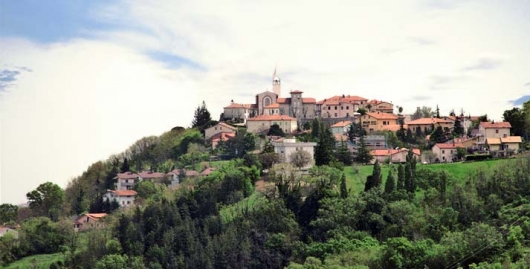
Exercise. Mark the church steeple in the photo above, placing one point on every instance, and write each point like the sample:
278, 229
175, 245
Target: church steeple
276, 83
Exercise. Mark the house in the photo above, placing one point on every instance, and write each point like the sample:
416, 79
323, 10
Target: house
207, 171
341, 127
425, 125
380, 106
393, 155
174, 177
123, 197
237, 112
445, 152
493, 130
273, 109
89, 221
298, 107
217, 129
339, 107
508, 145
126, 181
372, 142
493, 144
262, 123
376, 121
154, 177
511, 143
7, 230
286, 147
217, 138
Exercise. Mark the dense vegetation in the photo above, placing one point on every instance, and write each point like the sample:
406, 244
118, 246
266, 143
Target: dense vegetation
334, 216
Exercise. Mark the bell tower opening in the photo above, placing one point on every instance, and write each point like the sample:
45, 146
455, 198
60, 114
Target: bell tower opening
276, 83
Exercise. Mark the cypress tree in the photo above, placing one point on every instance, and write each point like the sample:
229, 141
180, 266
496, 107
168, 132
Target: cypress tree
390, 184
401, 177
343, 187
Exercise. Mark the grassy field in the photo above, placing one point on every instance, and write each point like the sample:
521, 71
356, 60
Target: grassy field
36, 261
356, 175
229, 212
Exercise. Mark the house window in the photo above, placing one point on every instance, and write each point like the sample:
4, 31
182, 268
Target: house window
443, 151
341, 107
451, 151
347, 107
329, 108
128, 202
335, 107
216, 128
335, 114
497, 131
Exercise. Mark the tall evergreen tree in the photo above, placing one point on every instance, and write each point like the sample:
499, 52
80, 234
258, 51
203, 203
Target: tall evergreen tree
401, 177
344, 155
343, 187
202, 117
125, 166
390, 184
374, 180
325, 146
437, 111
363, 153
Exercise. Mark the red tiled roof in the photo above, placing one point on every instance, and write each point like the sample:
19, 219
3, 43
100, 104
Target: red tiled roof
224, 136
502, 124
308, 100
124, 192
341, 124
207, 171
150, 174
275, 105
235, 105
382, 116
388, 152
393, 127
191, 173
127, 175
449, 145
429, 121
340, 99
226, 125
271, 118
511, 139
175, 171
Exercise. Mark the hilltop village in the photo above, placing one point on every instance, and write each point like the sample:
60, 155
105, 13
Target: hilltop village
291, 182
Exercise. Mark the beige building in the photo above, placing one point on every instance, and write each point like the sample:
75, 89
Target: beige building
378, 121
217, 129
509, 143
237, 112
286, 147
126, 181
493, 130
297, 106
338, 107
89, 221
394, 155
380, 106
426, 124
262, 123
445, 152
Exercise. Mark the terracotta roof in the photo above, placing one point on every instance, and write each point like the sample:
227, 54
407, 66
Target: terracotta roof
389, 152
191, 173
124, 192
493, 141
224, 136
511, 139
502, 124
340, 99
449, 145
377, 102
150, 174
225, 125
275, 105
271, 118
127, 175
309, 100
429, 121
207, 171
93, 216
235, 105
174, 171
341, 124
382, 116
296, 91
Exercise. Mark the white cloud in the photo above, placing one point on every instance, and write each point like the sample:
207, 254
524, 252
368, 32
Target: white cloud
83, 101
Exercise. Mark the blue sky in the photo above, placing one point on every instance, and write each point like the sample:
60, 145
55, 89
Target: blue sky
81, 80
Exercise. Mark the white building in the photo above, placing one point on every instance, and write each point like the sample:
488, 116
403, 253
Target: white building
126, 181
286, 147
123, 197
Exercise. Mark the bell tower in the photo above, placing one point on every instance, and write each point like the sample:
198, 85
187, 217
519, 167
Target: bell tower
276, 83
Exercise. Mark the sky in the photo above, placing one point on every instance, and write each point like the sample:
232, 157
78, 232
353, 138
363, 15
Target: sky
81, 80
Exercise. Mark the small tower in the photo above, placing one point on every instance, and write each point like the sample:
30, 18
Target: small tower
276, 84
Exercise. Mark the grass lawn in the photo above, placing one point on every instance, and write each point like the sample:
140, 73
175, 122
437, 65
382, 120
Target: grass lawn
229, 212
36, 261
356, 175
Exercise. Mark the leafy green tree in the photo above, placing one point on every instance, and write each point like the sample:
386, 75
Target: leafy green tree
113, 261
46, 200
363, 153
41, 235
355, 130
374, 180
8, 213
517, 119
276, 130
458, 129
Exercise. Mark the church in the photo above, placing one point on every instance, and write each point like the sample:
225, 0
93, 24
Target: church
270, 103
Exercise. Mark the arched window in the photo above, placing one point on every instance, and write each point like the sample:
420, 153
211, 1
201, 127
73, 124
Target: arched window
267, 101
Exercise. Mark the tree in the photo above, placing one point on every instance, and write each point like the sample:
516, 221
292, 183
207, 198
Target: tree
418, 114
125, 166
276, 130
363, 153
374, 180
343, 154
401, 177
343, 187
437, 111
46, 200
201, 118
390, 184
300, 158
458, 129
460, 153
8, 213
355, 130
325, 145
517, 119
362, 111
